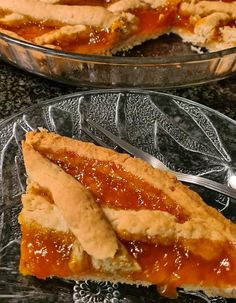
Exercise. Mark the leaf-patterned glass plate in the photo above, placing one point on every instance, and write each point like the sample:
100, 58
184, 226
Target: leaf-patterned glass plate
186, 136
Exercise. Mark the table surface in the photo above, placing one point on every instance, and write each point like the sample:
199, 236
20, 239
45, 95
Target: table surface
19, 90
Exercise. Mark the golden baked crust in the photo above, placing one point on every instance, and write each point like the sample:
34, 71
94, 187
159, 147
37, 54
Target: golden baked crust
36, 10
120, 242
75, 203
192, 203
102, 27
38, 211
209, 20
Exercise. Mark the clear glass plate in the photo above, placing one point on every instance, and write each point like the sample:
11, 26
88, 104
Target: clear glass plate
186, 136
174, 66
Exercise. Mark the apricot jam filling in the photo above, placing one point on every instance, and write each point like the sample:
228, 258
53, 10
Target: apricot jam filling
169, 267
183, 22
154, 21
114, 187
150, 21
30, 30
46, 253
89, 41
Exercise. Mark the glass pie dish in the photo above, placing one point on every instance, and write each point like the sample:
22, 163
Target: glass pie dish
167, 70
199, 140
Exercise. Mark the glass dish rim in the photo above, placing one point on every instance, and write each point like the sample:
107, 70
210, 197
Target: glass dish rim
142, 61
57, 99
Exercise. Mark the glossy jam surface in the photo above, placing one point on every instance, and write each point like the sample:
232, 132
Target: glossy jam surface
45, 252
91, 42
114, 187
172, 266
87, 42
183, 22
150, 21
30, 30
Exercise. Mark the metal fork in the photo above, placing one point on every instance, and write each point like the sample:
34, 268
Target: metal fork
136, 152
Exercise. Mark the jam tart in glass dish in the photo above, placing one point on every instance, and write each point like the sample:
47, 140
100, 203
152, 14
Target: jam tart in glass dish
105, 27
92, 213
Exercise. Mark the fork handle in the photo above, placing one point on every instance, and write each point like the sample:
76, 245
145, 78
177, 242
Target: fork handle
207, 183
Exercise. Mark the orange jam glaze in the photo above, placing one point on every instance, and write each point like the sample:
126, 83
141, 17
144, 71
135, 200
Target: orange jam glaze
46, 253
30, 30
183, 22
114, 187
172, 266
88, 42
150, 20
